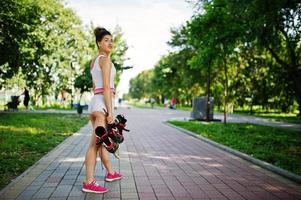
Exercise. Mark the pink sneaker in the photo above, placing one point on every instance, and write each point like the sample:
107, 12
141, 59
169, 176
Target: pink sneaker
113, 177
94, 188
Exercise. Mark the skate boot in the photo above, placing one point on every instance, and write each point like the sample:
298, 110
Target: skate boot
103, 138
115, 129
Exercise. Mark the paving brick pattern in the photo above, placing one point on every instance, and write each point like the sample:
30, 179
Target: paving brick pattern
157, 161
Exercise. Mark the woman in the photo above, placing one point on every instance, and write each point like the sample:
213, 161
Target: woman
26, 98
101, 112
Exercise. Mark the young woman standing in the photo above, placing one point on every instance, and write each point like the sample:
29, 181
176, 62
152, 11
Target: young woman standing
101, 111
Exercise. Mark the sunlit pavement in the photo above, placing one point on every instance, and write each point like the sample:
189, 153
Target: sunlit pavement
157, 161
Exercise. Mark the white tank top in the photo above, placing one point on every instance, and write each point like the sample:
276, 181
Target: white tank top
96, 73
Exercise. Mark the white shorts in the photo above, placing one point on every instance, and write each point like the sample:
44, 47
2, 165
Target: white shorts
97, 104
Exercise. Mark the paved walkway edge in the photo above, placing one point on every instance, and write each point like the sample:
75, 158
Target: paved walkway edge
61, 146
15, 180
291, 176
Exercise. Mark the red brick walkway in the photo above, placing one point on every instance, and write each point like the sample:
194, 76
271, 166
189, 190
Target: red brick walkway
158, 162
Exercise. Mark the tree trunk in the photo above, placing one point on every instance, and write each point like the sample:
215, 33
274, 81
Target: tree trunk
297, 83
208, 94
225, 91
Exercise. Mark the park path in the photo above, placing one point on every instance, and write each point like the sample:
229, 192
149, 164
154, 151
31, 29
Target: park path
181, 114
157, 161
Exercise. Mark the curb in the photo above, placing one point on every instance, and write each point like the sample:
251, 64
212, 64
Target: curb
291, 176
30, 168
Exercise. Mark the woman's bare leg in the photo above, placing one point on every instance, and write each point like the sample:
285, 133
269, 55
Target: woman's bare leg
103, 153
90, 158
104, 156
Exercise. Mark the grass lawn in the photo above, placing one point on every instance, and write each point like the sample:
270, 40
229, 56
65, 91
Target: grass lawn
26, 137
274, 116
144, 105
281, 117
277, 146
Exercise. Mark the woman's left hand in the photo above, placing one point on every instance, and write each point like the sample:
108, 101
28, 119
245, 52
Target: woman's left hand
110, 119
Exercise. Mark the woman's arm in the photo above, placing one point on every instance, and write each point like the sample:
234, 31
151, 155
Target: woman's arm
91, 66
105, 66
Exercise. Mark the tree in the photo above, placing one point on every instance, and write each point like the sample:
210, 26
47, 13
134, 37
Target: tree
221, 31
140, 86
274, 26
17, 20
119, 50
84, 81
174, 76
42, 38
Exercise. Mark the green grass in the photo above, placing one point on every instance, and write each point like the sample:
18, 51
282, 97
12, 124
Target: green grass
55, 105
277, 146
290, 118
26, 137
186, 108
143, 105
52, 107
274, 116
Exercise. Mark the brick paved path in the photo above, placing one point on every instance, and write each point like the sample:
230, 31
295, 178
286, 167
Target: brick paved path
161, 163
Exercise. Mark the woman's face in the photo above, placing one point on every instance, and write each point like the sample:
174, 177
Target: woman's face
106, 44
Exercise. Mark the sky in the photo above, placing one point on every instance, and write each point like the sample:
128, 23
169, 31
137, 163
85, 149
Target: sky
145, 25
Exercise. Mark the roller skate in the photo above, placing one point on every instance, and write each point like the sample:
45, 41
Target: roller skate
103, 138
115, 129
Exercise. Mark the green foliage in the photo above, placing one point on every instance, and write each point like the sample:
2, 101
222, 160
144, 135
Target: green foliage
46, 43
260, 40
42, 38
26, 137
172, 76
277, 146
17, 20
251, 49
59, 60
17, 81
140, 86
118, 52
84, 81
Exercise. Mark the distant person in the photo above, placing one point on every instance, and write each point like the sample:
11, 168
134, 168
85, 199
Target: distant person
152, 102
166, 102
119, 101
63, 96
26, 98
173, 103
101, 112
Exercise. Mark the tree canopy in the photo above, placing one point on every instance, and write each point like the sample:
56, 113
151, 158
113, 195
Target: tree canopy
250, 49
45, 44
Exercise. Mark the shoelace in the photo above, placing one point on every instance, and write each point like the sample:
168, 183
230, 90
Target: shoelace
94, 184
